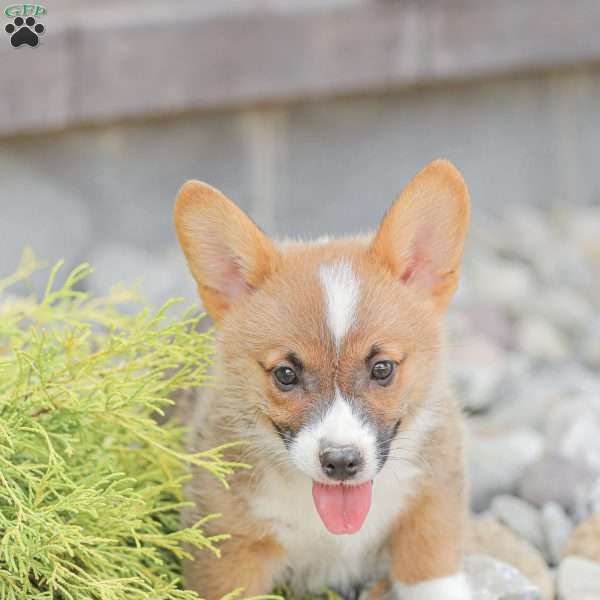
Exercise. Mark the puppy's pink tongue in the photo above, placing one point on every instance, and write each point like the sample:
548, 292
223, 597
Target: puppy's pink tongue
342, 508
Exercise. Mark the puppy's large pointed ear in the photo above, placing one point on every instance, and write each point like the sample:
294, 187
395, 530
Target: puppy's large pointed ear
421, 237
226, 252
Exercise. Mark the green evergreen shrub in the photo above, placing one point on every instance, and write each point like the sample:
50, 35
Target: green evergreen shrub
90, 484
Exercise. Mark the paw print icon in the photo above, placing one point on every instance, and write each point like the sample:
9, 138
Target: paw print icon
24, 31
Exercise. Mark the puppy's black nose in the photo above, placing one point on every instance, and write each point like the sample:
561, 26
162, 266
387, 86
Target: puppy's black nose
341, 463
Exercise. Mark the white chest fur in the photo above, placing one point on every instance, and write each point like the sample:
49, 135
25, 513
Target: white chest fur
316, 558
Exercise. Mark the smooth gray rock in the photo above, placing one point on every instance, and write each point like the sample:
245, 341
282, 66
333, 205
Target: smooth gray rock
491, 579
476, 370
573, 430
578, 579
541, 340
588, 503
590, 344
557, 529
497, 461
556, 478
590, 351
583, 230
528, 400
522, 517
507, 284
493, 323
566, 308
524, 233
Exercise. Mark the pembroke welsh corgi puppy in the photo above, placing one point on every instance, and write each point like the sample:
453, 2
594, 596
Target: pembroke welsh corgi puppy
330, 364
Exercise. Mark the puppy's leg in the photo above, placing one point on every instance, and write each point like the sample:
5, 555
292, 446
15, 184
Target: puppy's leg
380, 589
244, 563
426, 549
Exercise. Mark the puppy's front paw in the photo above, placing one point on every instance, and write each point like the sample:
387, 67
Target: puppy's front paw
454, 587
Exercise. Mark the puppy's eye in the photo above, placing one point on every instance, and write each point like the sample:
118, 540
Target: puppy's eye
285, 378
382, 371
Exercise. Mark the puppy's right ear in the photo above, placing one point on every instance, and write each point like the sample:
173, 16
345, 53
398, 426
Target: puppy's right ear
226, 252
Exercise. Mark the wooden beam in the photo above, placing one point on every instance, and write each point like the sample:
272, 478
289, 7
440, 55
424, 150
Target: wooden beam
122, 60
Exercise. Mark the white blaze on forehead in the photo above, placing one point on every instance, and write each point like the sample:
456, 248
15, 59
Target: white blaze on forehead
342, 291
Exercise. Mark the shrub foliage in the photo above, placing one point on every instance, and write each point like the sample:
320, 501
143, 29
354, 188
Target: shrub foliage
90, 484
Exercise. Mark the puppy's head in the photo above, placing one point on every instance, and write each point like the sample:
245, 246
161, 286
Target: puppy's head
331, 349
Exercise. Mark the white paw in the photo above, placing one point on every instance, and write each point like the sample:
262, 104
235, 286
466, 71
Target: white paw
454, 587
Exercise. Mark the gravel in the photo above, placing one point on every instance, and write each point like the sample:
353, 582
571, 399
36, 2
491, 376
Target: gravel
526, 329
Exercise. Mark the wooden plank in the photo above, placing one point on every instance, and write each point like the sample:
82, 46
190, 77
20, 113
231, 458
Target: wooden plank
118, 61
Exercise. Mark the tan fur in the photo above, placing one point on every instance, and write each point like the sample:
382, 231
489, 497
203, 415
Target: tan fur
253, 251
267, 302
430, 216
428, 539
244, 563
378, 589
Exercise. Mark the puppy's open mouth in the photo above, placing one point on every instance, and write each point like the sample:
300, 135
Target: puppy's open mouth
342, 508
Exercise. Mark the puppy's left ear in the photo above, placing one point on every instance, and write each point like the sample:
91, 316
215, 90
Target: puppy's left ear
421, 237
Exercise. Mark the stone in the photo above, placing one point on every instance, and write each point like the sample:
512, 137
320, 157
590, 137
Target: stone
526, 233
589, 341
458, 326
589, 502
508, 284
590, 345
557, 529
578, 579
523, 518
583, 229
566, 308
531, 401
585, 540
476, 370
555, 478
541, 340
493, 323
568, 266
522, 400
573, 430
509, 451
570, 379
492, 579
488, 536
